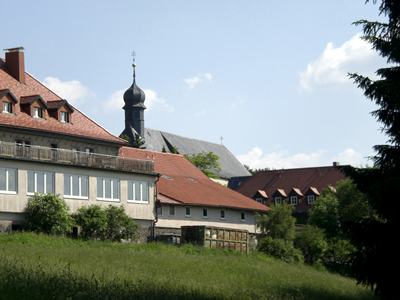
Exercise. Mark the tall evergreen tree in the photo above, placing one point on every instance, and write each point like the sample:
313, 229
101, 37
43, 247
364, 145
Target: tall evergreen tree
376, 259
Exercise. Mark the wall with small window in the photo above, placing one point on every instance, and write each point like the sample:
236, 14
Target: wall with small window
79, 187
175, 216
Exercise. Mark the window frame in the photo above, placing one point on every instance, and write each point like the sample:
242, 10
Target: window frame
35, 173
242, 216
222, 212
308, 199
172, 209
64, 117
131, 184
111, 189
7, 190
278, 200
39, 111
188, 215
205, 210
7, 104
296, 202
71, 196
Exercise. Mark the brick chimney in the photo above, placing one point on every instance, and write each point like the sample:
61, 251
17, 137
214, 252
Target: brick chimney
15, 63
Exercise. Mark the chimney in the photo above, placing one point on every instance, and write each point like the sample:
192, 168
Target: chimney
15, 63
336, 164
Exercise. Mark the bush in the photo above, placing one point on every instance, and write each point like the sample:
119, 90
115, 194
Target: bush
119, 225
111, 223
279, 222
281, 249
311, 241
92, 221
338, 256
48, 213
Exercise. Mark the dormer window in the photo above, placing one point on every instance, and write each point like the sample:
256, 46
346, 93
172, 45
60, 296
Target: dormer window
310, 199
64, 117
38, 112
7, 107
278, 200
294, 200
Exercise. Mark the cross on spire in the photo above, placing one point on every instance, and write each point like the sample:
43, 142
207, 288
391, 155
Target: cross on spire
134, 65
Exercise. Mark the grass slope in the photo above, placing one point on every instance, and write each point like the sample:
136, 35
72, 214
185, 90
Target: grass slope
42, 267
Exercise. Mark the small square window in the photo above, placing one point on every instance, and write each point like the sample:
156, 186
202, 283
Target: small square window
37, 112
187, 211
310, 199
205, 213
7, 107
64, 117
293, 200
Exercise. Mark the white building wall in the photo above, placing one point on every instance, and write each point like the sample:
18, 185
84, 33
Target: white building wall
14, 204
232, 218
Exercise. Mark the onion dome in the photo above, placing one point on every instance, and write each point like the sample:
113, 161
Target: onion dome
134, 96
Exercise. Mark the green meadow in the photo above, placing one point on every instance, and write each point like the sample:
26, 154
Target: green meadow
44, 267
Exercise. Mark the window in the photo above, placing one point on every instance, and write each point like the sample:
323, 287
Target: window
187, 212
7, 107
76, 186
310, 199
40, 182
64, 117
242, 216
293, 200
278, 200
8, 180
159, 210
89, 150
205, 213
38, 112
107, 189
171, 210
138, 191
222, 214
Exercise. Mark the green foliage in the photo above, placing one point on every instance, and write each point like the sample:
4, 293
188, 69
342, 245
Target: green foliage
281, 249
119, 225
325, 213
138, 142
92, 221
163, 149
207, 162
48, 213
44, 267
311, 241
338, 256
174, 150
279, 222
111, 223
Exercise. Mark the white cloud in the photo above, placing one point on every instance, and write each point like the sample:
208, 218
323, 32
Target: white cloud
73, 91
279, 159
333, 65
153, 101
192, 82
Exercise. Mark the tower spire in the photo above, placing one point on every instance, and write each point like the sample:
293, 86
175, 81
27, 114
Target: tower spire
134, 65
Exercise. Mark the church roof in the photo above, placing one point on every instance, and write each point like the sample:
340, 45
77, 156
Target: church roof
230, 167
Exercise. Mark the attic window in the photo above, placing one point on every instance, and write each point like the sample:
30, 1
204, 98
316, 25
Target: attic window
293, 200
310, 199
278, 200
7, 107
38, 112
64, 117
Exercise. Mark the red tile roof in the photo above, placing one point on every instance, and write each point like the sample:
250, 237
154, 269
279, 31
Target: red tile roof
183, 182
80, 124
303, 179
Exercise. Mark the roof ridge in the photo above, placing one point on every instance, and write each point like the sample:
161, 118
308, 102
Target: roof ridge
301, 168
181, 136
154, 151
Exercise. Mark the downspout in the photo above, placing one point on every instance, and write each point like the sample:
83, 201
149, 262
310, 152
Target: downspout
155, 206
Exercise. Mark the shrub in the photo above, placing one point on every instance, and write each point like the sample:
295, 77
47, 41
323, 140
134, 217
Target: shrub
311, 241
279, 222
92, 220
338, 256
119, 225
281, 249
48, 213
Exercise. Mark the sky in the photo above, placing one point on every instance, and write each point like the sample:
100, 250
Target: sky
269, 77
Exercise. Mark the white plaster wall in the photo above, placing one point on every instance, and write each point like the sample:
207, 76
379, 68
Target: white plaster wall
16, 203
232, 218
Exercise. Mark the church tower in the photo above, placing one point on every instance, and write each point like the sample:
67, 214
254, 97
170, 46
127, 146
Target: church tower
134, 111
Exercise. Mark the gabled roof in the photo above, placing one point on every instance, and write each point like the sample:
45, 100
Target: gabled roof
296, 191
319, 178
280, 192
262, 193
82, 126
59, 103
182, 182
314, 190
7, 92
32, 98
230, 166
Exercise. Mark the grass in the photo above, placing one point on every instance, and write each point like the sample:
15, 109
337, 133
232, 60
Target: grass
43, 267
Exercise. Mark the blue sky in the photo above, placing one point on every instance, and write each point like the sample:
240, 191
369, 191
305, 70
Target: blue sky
267, 76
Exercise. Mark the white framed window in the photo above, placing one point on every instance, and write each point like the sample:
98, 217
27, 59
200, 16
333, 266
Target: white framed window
64, 117
7, 107
222, 214
8, 181
242, 216
159, 210
38, 112
294, 200
278, 200
310, 199
108, 189
171, 210
40, 182
76, 186
138, 191
187, 212
205, 213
